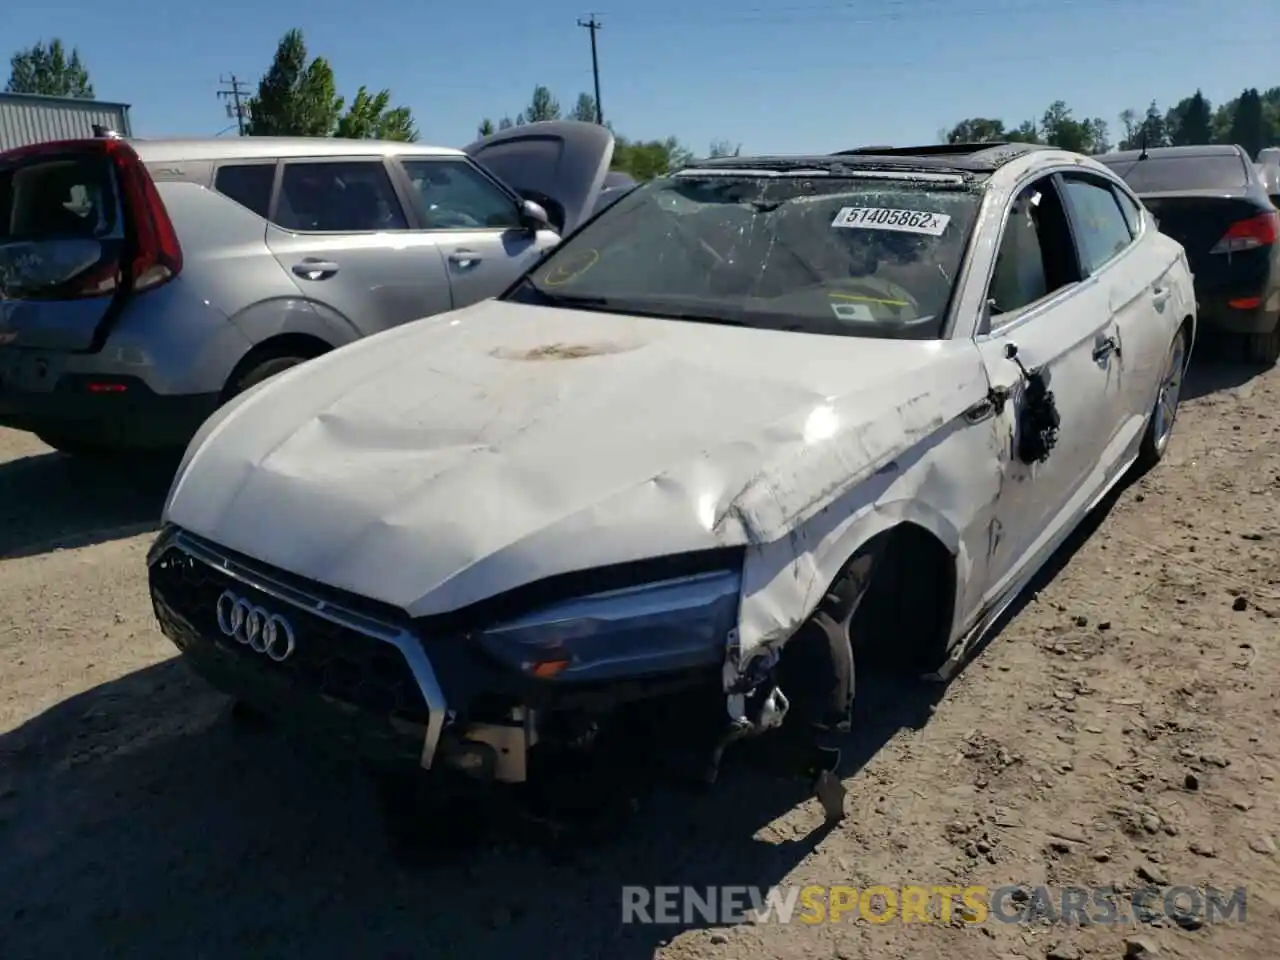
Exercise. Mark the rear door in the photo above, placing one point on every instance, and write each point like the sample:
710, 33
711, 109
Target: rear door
1131, 275
1054, 318
476, 224
560, 164
342, 230
62, 238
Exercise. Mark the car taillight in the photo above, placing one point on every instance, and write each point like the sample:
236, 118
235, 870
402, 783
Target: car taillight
1259, 231
157, 255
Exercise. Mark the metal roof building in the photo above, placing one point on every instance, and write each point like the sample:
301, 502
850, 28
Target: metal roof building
28, 118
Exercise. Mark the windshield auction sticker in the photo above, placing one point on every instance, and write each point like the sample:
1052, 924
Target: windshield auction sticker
899, 221
575, 265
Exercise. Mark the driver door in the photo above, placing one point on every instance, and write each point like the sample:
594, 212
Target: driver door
477, 224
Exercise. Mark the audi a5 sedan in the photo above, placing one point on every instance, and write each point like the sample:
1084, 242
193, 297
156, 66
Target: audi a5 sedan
758, 421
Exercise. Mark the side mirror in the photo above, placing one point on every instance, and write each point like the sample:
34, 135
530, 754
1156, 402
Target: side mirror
534, 216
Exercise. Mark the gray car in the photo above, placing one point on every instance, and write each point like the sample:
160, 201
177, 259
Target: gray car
143, 283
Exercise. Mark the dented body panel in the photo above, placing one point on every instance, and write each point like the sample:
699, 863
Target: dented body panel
461, 457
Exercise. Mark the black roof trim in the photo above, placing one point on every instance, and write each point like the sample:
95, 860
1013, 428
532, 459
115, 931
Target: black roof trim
969, 156
959, 166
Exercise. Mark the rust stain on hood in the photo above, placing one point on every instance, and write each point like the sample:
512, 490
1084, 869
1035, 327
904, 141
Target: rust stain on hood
562, 351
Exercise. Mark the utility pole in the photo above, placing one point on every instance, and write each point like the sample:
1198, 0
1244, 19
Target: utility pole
593, 25
234, 89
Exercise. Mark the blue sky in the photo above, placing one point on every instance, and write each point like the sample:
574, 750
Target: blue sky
790, 77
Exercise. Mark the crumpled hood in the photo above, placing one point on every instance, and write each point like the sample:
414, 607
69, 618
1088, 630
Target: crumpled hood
457, 457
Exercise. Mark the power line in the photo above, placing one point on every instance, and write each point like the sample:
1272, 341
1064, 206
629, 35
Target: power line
592, 26
235, 90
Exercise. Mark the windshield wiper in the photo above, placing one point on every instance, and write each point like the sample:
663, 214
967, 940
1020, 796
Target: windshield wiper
561, 299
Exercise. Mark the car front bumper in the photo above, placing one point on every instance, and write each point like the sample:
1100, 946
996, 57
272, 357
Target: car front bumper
363, 683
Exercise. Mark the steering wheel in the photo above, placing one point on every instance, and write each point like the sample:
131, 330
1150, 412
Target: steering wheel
880, 292
444, 219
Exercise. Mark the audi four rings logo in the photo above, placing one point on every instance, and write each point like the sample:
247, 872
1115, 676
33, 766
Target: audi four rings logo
260, 630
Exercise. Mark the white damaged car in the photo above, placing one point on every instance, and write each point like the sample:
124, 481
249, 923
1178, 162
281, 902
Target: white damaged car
754, 421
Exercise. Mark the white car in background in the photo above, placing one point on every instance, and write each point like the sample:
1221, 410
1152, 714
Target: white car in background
761, 418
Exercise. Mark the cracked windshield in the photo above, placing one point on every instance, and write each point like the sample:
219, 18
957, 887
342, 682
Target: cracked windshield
865, 256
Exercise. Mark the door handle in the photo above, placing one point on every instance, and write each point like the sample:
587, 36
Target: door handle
1160, 296
312, 269
1104, 348
464, 258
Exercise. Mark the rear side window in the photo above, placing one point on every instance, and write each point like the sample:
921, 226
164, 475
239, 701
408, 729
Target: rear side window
1160, 174
1100, 227
247, 184
339, 196
1132, 212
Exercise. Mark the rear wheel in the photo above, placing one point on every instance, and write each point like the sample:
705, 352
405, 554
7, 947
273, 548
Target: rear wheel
1160, 427
1263, 347
78, 448
261, 370
244, 716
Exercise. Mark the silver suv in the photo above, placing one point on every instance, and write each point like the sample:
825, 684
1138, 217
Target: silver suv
143, 283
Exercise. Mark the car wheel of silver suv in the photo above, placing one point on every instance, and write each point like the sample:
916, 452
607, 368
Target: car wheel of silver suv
263, 370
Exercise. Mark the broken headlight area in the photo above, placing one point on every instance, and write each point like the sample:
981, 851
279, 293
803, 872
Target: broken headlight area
663, 627
624, 671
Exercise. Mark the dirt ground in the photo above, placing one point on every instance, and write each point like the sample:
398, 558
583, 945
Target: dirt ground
1122, 726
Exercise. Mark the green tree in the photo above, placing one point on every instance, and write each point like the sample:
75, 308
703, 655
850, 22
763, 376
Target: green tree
1153, 132
978, 130
295, 98
46, 69
723, 148
1249, 122
585, 108
1061, 129
371, 118
542, 106
1190, 121
1026, 132
646, 159
486, 128
505, 123
1099, 135
1129, 120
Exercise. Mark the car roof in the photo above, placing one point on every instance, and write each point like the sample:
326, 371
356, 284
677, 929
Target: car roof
269, 148
1186, 153
972, 158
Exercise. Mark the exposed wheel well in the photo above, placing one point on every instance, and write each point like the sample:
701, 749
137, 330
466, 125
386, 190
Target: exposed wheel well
285, 345
904, 619
1189, 325
902, 622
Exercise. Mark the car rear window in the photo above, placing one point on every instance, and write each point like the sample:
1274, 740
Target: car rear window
853, 255
58, 197
1164, 174
60, 223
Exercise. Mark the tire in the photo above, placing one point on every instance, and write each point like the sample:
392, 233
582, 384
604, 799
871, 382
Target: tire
246, 717
79, 448
1263, 348
262, 370
1164, 413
